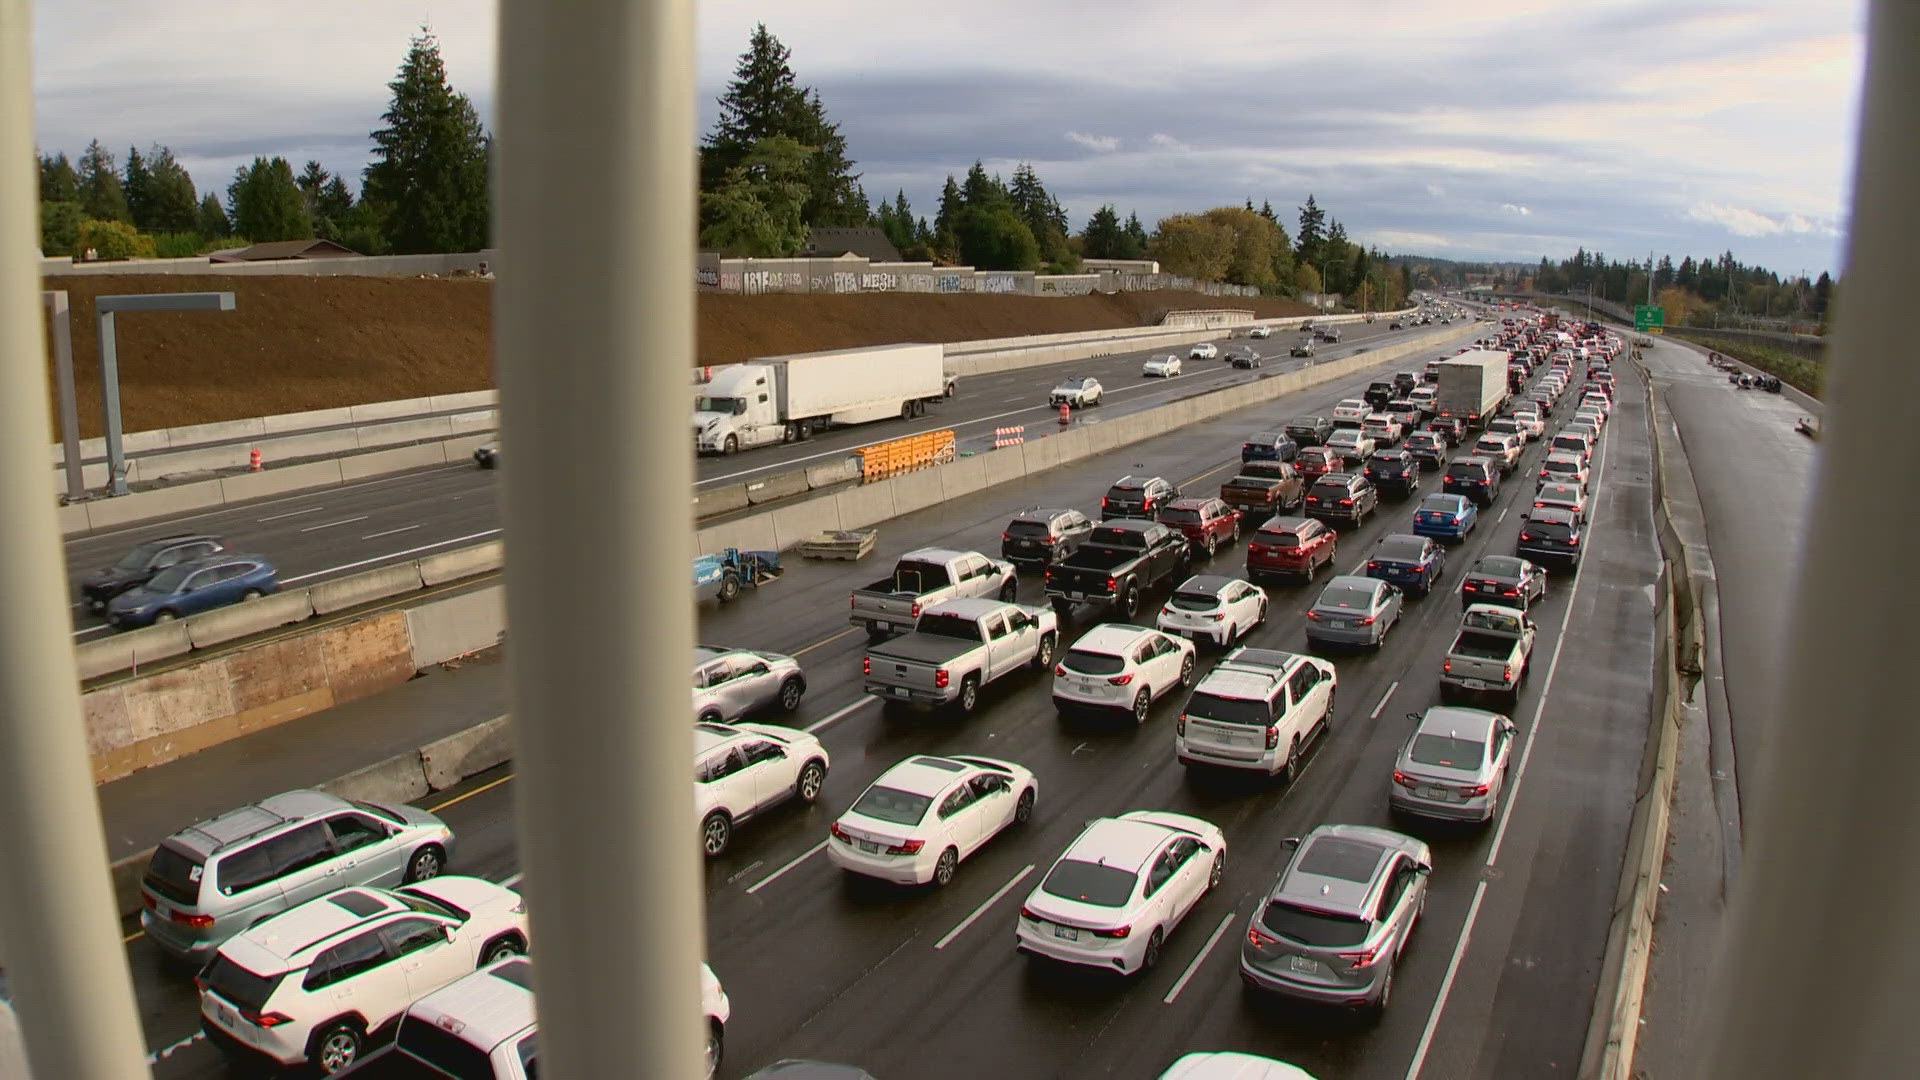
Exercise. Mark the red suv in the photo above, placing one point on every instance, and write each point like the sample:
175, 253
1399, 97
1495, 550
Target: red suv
1316, 461
1206, 523
1290, 547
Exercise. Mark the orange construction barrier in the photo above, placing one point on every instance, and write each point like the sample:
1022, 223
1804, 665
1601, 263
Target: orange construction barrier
888, 459
1066, 415
253, 460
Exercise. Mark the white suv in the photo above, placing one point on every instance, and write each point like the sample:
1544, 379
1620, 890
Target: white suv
1257, 710
1116, 666
1206, 350
740, 770
314, 984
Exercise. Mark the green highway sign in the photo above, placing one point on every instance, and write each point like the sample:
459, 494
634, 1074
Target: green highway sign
1649, 319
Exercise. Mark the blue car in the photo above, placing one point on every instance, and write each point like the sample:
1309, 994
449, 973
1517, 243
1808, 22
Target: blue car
1445, 517
190, 588
1412, 562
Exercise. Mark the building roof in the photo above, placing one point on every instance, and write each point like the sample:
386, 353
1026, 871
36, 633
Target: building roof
284, 249
866, 241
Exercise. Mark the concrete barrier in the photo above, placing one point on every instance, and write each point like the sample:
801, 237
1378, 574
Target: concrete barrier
916, 490
279, 481
833, 473
471, 399
964, 477
160, 502
302, 421
776, 486
713, 501
416, 429
398, 459
398, 779
446, 762
753, 533
862, 506
356, 589
367, 655
462, 563
251, 617
119, 652
1004, 465
389, 410
454, 626
792, 524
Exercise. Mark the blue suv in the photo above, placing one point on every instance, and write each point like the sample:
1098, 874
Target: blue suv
189, 588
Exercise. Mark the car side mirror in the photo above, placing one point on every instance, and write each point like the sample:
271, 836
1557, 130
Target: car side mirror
1414, 716
1422, 869
1290, 843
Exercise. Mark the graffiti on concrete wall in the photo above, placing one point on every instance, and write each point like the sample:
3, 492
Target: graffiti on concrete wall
871, 282
707, 275
995, 283
951, 283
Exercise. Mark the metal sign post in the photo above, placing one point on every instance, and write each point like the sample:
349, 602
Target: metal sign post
104, 309
60, 320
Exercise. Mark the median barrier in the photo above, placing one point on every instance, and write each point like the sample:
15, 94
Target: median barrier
283, 423
459, 449
218, 431
279, 481
862, 506
1004, 465
418, 429
390, 410
461, 563
752, 533
153, 718
471, 399
714, 501
160, 502
446, 762
475, 420
792, 524
73, 518
458, 625
353, 590
367, 655
397, 459
776, 486
916, 490
398, 779
834, 473
248, 617
118, 652
964, 477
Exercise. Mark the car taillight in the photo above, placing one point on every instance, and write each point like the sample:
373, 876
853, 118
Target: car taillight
841, 834
907, 847
1005, 537
1506, 673
1526, 536
866, 665
1346, 502
940, 678
1404, 780
1447, 666
1121, 680
1113, 585
1509, 592
1474, 791
148, 902
1180, 724
1027, 913
200, 982
1104, 502
1216, 617
193, 922
1059, 669
1313, 616
915, 610
1273, 737
1364, 958
1574, 540
1366, 620
1372, 565
266, 1020
1257, 939
1114, 934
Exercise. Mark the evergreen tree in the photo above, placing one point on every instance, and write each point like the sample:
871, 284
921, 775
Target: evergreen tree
58, 181
980, 191
951, 203
1104, 237
211, 221
430, 160
335, 201
138, 185
266, 204
764, 101
756, 209
1312, 231
1137, 239
172, 203
101, 196
60, 222
1266, 211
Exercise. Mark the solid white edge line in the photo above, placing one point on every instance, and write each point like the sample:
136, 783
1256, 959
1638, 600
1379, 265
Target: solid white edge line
797, 860
391, 555
836, 716
1195, 966
1446, 983
1375, 714
984, 905
515, 879
92, 629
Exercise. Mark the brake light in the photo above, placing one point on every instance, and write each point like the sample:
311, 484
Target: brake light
866, 665
1216, 617
1366, 620
1027, 914
195, 922
1574, 540
841, 834
1059, 669
1526, 536
1537, 504
1506, 673
907, 847
915, 610
1114, 934
1509, 592
1447, 666
1258, 549
940, 678
266, 1020
1273, 737
1404, 780
1104, 503
1313, 616
148, 902
1006, 536
1121, 680
1113, 585
1365, 958
1257, 939
1180, 724
1474, 791
1346, 502
1372, 565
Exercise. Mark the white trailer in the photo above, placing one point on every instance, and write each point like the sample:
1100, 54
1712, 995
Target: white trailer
789, 398
1472, 386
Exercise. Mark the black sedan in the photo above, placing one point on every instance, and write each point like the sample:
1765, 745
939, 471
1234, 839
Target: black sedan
1506, 580
1395, 471
1550, 535
1414, 563
138, 566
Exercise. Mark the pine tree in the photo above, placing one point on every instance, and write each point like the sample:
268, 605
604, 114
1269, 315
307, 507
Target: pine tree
1136, 246
980, 191
951, 203
101, 196
138, 185
172, 204
1266, 211
58, 181
1306, 245
429, 173
266, 202
211, 221
763, 101
1104, 237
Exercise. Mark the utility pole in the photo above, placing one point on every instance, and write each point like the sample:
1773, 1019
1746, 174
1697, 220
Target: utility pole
1649, 279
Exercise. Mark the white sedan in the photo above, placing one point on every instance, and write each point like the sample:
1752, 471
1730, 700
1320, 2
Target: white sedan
1350, 412
917, 822
1166, 367
1124, 668
1077, 392
1220, 609
1120, 888
1260, 332
1206, 350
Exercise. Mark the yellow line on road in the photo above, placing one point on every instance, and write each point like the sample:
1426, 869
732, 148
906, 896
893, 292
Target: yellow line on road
1204, 475
826, 641
465, 795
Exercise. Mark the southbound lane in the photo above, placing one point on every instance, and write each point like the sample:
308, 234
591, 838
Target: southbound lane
819, 966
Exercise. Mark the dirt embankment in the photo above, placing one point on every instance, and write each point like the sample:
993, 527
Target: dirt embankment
295, 343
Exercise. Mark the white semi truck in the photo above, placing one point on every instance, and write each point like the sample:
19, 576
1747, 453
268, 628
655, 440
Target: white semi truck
789, 398
1472, 386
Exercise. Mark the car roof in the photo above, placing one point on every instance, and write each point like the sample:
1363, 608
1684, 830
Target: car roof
288, 937
1350, 581
1337, 867
1555, 515
1453, 499
1191, 502
485, 1008
933, 554
1112, 638
707, 736
176, 538
1206, 583
1132, 481
1118, 842
1455, 720
1284, 524
1498, 564
923, 774
1129, 524
1041, 513
210, 836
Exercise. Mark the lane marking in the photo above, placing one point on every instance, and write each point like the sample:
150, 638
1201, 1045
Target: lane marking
1502, 517
1446, 983
92, 630
290, 513
514, 880
825, 641
745, 870
1204, 475
984, 905
835, 717
133, 937
391, 555
1195, 966
797, 860
168, 1051
261, 505
390, 532
331, 524
465, 795
1375, 714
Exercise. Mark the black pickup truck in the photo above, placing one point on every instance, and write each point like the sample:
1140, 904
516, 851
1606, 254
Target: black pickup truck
1117, 565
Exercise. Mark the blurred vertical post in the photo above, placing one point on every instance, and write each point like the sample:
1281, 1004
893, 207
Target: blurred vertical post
65, 962
594, 198
1818, 976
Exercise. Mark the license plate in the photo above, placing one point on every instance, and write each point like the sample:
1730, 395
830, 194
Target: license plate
901, 691
1474, 684
1303, 965
882, 626
1066, 933
163, 912
867, 846
1431, 793
1076, 596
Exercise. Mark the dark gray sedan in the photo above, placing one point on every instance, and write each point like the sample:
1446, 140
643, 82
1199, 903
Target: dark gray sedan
1506, 580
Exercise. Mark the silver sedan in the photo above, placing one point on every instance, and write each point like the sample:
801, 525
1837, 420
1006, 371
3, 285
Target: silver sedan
729, 684
1354, 610
1454, 766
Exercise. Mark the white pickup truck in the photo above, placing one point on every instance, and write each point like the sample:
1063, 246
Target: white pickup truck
957, 648
923, 578
1490, 654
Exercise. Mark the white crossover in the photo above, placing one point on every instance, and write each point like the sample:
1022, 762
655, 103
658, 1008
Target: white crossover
1165, 367
1124, 668
1219, 609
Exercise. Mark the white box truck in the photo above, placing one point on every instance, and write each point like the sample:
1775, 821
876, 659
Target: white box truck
789, 398
1472, 386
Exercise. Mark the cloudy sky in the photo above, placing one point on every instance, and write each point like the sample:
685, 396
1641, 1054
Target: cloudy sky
1500, 129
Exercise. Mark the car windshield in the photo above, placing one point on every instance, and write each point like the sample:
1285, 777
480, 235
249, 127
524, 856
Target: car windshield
1549, 530
1384, 461
1029, 530
1089, 883
1180, 516
1087, 662
1194, 601
244, 988
1401, 549
139, 557
1447, 752
1498, 566
168, 580
1346, 596
1314, 928
1466, 470
892, 805
1255, 712
1443, 504
733, 406
1280, 539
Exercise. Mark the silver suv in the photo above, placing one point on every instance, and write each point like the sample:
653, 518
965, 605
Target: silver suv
1334, 925
211, 881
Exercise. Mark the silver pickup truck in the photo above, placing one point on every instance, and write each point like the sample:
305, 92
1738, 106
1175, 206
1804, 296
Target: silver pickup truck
1490, 655
957, 648
924, 578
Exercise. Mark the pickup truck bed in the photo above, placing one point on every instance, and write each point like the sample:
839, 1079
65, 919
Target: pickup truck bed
1480, 646
923, 648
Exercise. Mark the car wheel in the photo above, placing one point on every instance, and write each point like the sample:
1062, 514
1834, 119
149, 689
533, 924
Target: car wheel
1142, 702
1291, 770
812, 777
716, 1048
1151, 958
1219, 868
709, 717
1186, 671
943, 870
1130, 601
1009, 591
1023, 810
1235, 538
732, 446
1378, 1008
337, 1047
969, 694
1043, 655
790, 692
1213, 545
426, 863
251, 594
164, 616
500, 949
729, 588
715, 833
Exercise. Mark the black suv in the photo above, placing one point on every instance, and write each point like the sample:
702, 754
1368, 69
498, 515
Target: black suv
1396, 472
146, 559
1550, 535
1042, 535
1137, 497
1309, 430
1342, 497
1379, 394
1405, 382
1475, 477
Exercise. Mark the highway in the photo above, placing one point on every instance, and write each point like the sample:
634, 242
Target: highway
310, 536
1499, 978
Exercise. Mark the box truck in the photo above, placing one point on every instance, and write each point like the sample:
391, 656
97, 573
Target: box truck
789, 398
1472, 386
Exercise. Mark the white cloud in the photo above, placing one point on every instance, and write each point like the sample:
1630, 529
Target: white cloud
1512, 209
1737, 220
1166, 141
1436, 190
1104, 144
